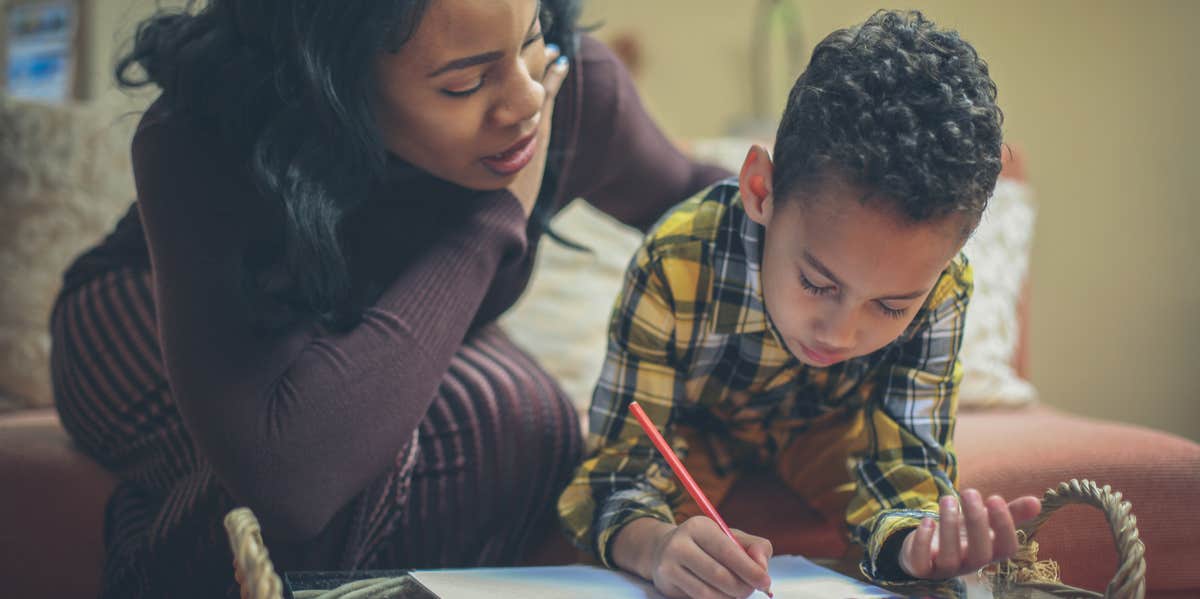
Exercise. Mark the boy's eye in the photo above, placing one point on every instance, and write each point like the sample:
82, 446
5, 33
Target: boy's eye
464, 92
890, 311
814, 289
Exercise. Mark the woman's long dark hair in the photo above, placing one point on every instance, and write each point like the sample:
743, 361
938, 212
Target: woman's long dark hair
287, 83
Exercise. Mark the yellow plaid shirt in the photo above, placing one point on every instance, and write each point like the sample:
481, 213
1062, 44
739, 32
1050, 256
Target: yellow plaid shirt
691, 342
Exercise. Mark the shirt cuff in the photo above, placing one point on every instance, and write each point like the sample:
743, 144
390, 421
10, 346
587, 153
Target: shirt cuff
621, 509
881, 563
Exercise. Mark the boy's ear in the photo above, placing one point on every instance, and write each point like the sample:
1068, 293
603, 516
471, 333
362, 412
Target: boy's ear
754, 182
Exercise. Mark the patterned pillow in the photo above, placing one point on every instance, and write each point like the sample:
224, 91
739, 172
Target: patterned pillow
999, 253
65, 179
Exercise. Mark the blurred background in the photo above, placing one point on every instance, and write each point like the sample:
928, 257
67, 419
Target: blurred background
1099, 99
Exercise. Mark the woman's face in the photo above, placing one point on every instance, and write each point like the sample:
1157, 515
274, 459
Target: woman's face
462, 98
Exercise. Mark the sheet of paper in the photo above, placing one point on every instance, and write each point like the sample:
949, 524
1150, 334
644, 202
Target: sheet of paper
791, 575
794, 576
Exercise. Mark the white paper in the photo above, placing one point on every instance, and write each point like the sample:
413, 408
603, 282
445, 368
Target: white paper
791, 576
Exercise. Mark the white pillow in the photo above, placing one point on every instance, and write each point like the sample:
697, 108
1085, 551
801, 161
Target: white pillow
562, 319
999, 254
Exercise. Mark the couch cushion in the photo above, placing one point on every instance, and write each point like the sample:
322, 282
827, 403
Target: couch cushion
51, 510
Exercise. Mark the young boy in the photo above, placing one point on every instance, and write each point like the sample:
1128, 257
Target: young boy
807, 317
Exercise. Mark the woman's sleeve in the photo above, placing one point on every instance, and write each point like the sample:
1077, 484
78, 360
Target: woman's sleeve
623, 164
296, 423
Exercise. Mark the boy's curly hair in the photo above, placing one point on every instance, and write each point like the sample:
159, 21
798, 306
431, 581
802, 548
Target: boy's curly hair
901, 108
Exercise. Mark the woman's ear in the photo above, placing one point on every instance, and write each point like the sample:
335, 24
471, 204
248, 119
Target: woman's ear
754, 182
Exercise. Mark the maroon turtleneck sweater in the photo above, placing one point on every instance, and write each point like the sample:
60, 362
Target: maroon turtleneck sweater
296, 423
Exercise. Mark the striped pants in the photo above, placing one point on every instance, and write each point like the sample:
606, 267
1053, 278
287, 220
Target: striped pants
484, 469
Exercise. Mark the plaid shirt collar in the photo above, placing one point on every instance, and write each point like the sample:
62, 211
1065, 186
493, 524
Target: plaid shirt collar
738, 305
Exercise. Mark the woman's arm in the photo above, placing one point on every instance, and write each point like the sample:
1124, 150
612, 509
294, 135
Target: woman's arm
296, 423
623, 164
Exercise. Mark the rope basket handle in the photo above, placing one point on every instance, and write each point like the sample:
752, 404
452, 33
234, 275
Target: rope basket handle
1129, 582
252, 566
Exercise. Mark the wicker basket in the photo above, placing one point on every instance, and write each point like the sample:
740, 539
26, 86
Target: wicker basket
256, 575
1026, 572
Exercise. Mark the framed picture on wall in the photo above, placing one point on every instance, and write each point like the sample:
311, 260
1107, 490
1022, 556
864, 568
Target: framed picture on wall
41, 49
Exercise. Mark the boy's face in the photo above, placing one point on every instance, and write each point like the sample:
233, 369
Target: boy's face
843, 278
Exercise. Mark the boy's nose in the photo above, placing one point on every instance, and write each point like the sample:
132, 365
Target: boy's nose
835, 335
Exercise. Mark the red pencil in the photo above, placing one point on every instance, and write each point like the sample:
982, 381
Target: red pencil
682, 474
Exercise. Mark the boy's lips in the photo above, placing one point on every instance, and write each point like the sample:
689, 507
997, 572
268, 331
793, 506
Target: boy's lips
514, 158
822, 358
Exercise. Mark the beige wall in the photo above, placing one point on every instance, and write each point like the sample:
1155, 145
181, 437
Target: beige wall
1100, 97
109, 29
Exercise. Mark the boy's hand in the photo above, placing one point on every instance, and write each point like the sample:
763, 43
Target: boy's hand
967, 540
696, 559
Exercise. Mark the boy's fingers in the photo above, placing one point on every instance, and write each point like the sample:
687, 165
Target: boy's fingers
715, 573
760, 549
724, 590
731, 557
1025, 508
949, 556
917, 555
692, 586
1001, 522
979, 532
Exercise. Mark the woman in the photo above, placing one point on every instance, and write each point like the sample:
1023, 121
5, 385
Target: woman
335, 202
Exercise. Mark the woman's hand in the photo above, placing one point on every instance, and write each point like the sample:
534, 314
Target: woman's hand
694, 559
963, 541
528, 182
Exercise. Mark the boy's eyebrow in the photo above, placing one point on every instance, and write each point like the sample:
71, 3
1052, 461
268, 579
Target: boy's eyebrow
905, 296
821, 268
824, 270
486, 57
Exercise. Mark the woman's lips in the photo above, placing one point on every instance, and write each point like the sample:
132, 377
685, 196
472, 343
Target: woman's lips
514, 158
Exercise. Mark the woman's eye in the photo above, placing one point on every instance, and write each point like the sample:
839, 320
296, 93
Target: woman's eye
463, 92
533, 40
